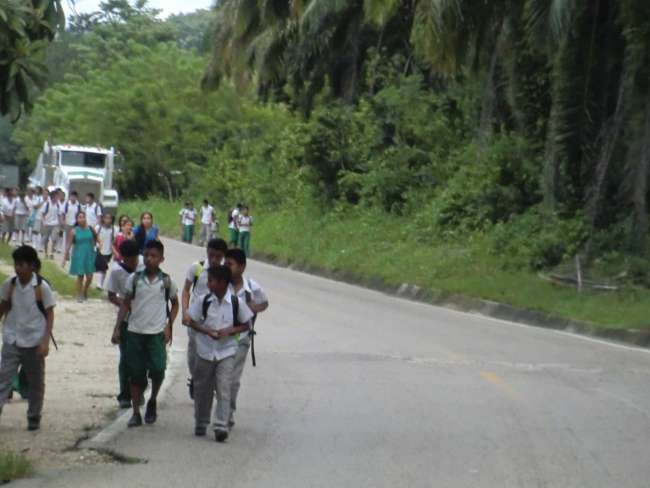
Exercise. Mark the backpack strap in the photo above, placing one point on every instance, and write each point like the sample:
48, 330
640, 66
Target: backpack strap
167, 283
38, 294
207, 300
235, 308
197, 273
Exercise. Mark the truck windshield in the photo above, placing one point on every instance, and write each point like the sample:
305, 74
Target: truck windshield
76, 158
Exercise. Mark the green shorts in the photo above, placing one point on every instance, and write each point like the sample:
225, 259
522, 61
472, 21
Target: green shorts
234, 236
146, 355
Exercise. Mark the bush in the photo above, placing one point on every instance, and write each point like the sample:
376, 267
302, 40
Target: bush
538, 239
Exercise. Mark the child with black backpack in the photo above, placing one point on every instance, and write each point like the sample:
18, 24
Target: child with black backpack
146, 303
250, 292
28, 307
218, 318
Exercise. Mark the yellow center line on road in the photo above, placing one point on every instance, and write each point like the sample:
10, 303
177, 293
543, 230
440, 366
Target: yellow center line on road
494, 379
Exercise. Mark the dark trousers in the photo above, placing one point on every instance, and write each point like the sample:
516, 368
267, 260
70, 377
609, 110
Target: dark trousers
33, 365
123, 370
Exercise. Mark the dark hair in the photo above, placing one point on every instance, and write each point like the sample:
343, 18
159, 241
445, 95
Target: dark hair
155, 245
205, 200
129, 248
74, 192
27, 254
218, 244
111, 216
142, 215
220, 273
91, 195
238, 255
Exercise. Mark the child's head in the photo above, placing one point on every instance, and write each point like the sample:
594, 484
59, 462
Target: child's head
219, 277
108, 219
26, 262
188, 204
90, 198
146, 219
61, 194
244, 210
81, 218
121, 219
130, 254
53, 195
74, 196
236, 261
205, 202
154, 255
217, 249
127, 226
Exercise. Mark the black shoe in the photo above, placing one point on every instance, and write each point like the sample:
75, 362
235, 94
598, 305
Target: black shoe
190, 387
231, 423
124, 403
220, 435
135, 421
33, 423
150, 415
200, 431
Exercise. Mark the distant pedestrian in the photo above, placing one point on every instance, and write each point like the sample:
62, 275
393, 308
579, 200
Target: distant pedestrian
69, 215
125, 234
217, 318
83, 241
207, 223
244, 224
93, 210
106, 235
117, 291
187, 221
20, 218
35, 221
28, 307
8, 213
146, 303
51, 216
233, 228
146, 232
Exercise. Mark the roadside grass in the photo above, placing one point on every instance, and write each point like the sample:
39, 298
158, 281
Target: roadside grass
61, 282
371, 247
13, 466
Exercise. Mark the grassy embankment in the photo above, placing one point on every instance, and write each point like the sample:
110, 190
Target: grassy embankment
375, 247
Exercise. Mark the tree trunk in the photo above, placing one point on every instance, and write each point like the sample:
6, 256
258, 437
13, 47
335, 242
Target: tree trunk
640, 188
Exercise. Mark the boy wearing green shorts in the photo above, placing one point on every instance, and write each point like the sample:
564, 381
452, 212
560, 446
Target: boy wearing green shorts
149, 331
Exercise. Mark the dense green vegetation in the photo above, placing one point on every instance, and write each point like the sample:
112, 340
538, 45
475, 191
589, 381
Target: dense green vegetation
468, 144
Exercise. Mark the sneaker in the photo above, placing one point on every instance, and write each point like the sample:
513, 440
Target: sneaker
124, 403
200, 431
150, 415
33, 423
231, 423
135, 421
220, 435
190, 387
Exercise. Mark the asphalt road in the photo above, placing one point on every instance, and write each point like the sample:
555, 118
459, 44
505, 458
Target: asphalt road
355, 388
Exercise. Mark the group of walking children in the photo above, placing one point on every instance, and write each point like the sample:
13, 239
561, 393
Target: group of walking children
219, 307
239, 228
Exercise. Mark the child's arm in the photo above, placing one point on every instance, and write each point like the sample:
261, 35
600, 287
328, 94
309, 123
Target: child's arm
68, 246
185, 301
121, 315
234, 330
114, 299
44, 347
172, 317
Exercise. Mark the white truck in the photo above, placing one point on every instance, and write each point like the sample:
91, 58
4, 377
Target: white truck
80, 168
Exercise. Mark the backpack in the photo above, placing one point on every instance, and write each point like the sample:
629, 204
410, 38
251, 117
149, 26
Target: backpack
197, 273
38, 294
235, 307
167, 282
230, 218
65, 209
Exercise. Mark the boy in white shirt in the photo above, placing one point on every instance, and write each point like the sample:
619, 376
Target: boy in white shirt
195, 286
149, 331
187, 219
8, 212
233, 228
207, 221
117, 291
218, 318
69, 215
28, 306
250, 292
93, 210
51, 217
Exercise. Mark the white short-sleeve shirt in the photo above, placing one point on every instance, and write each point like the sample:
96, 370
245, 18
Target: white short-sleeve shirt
201, 287
256, 291
188, 216
51, 212
93, 214
219, 316
116, 282
206, 214
148, 308
70, 211
25, 324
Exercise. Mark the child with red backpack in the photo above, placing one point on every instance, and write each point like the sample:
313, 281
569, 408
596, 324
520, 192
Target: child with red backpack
28, 307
